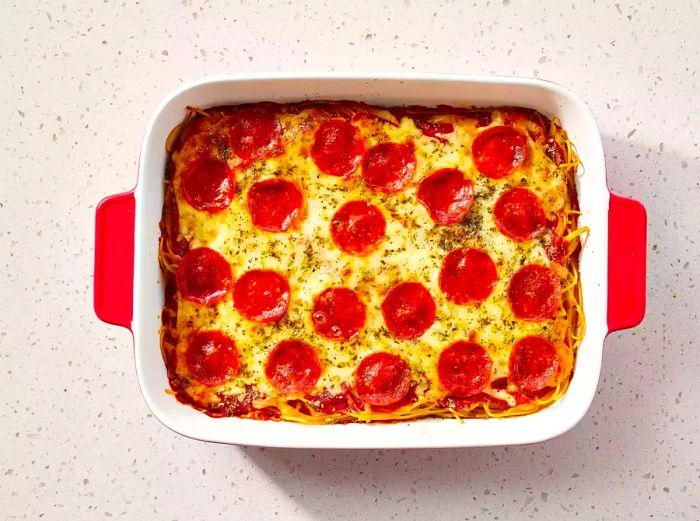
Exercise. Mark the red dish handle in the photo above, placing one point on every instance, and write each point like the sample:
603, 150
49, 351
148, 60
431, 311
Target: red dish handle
114, 259
627, 268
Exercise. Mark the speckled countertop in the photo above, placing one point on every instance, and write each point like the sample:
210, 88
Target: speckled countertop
80, 80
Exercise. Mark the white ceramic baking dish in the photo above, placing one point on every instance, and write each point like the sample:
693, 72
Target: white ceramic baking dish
129, 291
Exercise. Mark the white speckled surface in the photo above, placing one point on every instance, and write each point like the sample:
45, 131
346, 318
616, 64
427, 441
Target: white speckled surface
80, 80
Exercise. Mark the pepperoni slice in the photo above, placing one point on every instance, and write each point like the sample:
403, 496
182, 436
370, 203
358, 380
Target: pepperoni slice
432, 129
338, 314
208, 184
464, 368
534, 293
293, 366
382, 379
553, 151
337, 148
519, 215
527, 118
498, 151
255, 133
408, 310
556, 248
274, 204
211, 357
389, 167
533, 362
468, 276
203, 276
261, 296
358, 227
447, 195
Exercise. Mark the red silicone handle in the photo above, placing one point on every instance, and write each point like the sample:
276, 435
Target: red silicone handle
114, 259
627, 267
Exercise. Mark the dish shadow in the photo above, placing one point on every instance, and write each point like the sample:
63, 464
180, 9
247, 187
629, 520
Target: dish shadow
608, 446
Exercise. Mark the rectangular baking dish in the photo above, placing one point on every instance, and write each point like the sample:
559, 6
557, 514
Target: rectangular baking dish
129, 292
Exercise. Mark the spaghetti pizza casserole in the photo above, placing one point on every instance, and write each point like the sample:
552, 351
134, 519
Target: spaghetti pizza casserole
336, 262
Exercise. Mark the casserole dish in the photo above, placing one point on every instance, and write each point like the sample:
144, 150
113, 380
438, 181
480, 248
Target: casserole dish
129, 292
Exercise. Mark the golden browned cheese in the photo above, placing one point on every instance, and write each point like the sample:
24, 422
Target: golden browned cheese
413, 249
